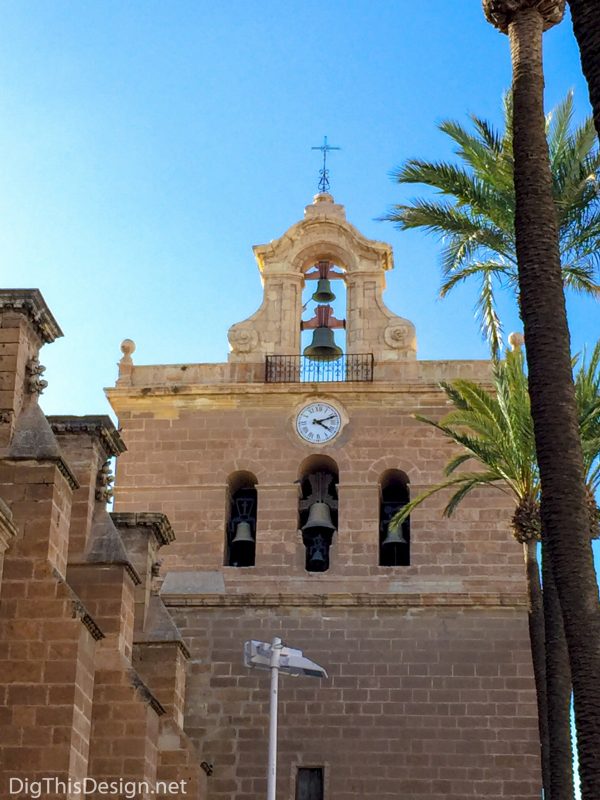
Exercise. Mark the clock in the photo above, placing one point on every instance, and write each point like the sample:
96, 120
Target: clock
318, 422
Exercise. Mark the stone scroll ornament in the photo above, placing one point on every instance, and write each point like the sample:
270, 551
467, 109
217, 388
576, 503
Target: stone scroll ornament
242, 338
396, 336
35, 383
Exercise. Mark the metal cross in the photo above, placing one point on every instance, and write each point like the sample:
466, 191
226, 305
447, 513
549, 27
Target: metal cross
324, 173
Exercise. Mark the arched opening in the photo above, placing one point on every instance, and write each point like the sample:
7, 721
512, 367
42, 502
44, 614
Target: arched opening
318, 509
394, 543
240, 532
324, 298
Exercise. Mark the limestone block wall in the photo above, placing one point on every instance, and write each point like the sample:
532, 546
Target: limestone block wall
434, 703
182, 450
430, 692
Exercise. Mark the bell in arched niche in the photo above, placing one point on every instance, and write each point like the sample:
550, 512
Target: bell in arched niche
241, 531
318, 517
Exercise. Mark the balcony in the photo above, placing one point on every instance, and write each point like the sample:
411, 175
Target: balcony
301, 369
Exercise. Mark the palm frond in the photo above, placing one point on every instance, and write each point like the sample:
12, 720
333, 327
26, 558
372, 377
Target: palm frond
466, 481
476, 222
485, 310
499, 270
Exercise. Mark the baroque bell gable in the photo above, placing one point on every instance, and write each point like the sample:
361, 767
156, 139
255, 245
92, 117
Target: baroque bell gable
323, 235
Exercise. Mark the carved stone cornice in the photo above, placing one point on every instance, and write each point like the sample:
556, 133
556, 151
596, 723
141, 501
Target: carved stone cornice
156, 523
502, 12
32, 305
99, 426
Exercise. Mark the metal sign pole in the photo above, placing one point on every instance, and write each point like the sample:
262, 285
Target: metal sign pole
277, 658
276, 647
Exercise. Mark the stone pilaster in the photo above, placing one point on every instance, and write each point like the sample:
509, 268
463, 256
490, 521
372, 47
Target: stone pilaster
88, 442
143, 534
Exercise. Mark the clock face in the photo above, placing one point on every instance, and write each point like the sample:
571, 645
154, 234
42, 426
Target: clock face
318, 422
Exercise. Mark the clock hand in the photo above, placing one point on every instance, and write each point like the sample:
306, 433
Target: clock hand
321, 423
331, 416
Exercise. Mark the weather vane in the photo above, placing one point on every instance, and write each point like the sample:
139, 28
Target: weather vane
324, 173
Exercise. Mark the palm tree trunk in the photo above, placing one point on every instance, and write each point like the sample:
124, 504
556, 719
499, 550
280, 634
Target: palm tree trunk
586, 24
565, 518
558, 687
537, 638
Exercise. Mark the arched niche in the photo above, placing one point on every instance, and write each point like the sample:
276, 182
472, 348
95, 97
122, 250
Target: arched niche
318, 477
394, 543
241, 515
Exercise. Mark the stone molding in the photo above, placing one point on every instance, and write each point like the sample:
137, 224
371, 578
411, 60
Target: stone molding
79, 609
155, 522
58, 461
31, 304
141, 640
99, 426
145, 692
8, 532
350, 600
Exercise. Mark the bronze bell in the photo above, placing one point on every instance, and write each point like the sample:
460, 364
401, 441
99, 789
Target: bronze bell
317, 554
323, 293
323, 346
394, 536
319, 517
243, 534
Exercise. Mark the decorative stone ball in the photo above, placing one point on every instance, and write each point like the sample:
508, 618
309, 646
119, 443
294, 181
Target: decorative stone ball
516, 340
127, 347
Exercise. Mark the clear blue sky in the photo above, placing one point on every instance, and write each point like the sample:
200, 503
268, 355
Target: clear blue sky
146, 146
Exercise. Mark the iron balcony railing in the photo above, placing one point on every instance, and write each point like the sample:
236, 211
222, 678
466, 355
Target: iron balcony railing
302, 369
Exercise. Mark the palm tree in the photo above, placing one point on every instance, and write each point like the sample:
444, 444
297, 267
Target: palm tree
564, 509
586, 24
477, 221
496, 431
587, 392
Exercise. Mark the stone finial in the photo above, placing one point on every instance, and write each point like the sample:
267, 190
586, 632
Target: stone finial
35, 383
104, 482
323, 197
516, 340
127, 348
502, 12
126, 362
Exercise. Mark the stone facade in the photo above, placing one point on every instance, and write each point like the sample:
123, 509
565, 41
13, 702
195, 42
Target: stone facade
77, 703
430, 691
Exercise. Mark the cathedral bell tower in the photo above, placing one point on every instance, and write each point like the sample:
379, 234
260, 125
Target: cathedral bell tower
281, 470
